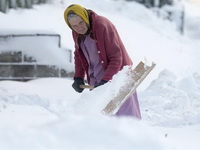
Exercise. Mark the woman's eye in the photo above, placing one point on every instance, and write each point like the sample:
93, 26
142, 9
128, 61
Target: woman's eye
81, 23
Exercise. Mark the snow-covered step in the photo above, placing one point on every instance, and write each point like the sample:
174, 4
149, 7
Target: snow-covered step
30, 55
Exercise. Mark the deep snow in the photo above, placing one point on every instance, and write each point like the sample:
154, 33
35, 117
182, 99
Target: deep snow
48, 114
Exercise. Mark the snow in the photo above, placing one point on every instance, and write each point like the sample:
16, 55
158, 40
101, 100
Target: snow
47, 113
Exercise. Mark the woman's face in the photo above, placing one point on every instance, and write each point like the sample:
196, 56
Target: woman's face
78, 25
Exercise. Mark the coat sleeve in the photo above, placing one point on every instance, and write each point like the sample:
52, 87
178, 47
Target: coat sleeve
79, 70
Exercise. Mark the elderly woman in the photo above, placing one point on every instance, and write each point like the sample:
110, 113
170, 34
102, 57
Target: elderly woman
99, 53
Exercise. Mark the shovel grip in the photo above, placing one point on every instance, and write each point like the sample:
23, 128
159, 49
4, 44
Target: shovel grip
86, 86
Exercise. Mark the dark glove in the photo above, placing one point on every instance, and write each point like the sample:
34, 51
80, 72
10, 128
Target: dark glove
102, 82
77, 83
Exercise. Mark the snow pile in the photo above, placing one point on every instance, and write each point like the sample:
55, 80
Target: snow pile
167, 94
59, 119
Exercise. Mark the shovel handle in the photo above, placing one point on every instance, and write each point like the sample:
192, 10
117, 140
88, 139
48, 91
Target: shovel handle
86, 86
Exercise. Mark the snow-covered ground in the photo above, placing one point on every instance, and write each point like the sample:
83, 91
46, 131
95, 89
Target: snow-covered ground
48, 114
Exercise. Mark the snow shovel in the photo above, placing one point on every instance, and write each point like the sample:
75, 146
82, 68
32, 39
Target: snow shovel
135, 78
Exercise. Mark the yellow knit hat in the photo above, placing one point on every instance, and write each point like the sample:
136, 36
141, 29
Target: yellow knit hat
79, 10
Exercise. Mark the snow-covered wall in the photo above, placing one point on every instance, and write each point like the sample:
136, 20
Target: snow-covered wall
30, 55
42, 46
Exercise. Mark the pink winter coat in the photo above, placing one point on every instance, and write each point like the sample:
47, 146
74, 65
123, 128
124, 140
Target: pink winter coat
112, 53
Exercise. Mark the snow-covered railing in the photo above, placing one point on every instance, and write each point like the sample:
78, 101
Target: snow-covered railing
29, 35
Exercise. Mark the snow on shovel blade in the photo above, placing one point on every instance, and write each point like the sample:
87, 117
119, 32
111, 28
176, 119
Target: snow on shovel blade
136, 77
